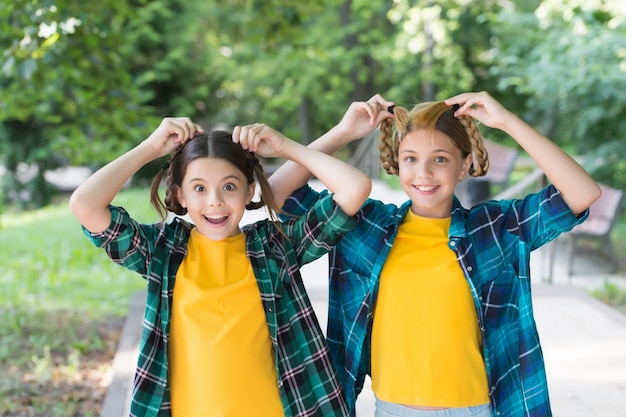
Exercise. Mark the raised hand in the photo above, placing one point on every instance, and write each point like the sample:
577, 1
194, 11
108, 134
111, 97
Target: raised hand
260, 139
482, 107
362, 117
171, 133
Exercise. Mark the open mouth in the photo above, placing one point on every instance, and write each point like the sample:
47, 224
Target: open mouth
216, 219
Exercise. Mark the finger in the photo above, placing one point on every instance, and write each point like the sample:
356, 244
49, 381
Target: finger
243, 136
236, 133
382, 109
365, 107
198, 129
187, 127
458, 99
258, 133
381, 101
176, 131
190, 128
247, 136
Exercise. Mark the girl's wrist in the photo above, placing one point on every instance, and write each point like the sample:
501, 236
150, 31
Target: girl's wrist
149, 151
340, 137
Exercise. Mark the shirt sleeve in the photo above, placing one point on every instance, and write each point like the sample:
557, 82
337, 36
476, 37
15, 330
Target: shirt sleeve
541, 217
318, 229
125, 241
300, 201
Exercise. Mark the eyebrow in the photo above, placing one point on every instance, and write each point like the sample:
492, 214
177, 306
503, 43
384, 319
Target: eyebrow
223, 179
434, 151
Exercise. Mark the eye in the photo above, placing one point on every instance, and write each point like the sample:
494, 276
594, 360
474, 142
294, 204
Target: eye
410, 159
230, 187
199, 188
441, 159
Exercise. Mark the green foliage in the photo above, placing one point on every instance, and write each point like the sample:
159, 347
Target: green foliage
82, 82
300, 81
572, 76
64, 81
66, 96
175, 56
612, 294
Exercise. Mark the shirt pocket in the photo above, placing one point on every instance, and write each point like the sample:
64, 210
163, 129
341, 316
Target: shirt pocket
500, 296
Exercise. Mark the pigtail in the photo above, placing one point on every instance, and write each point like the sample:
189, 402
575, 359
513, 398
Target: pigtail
481, 157
257, 173
171, 202
155, 200
391, 132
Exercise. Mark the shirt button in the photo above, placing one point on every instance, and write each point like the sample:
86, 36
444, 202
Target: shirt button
470, 269
271, 310
453, 243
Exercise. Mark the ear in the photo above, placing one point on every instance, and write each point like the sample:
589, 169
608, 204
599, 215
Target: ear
467, 164
180, 198
251, 190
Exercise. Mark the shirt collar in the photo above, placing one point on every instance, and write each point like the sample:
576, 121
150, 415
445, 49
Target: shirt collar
457, 225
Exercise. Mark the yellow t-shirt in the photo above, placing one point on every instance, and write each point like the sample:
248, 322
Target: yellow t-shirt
221, 361
425, 339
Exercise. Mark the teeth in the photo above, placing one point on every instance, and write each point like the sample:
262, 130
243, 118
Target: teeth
215, 217
426, 188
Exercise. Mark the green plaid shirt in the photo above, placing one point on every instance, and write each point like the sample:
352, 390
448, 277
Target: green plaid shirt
492, 242
307, 381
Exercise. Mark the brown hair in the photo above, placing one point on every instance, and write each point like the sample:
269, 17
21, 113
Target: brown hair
433, 116
216, 144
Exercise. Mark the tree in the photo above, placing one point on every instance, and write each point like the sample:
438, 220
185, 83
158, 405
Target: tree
83, 81
570, 69
65, 93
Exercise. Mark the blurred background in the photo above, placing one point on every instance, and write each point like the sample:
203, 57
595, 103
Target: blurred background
82, 82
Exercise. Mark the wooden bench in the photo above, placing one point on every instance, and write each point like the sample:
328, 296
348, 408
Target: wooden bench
597, 229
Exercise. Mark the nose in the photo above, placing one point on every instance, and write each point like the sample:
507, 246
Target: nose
424, 170
214, 199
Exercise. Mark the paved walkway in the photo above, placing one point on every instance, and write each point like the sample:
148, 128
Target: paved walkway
583, 340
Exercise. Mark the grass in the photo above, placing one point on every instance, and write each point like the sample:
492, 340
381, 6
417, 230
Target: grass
48, 263
612, 295
60, 296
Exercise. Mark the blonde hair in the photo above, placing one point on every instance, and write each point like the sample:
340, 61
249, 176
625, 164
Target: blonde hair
432, 116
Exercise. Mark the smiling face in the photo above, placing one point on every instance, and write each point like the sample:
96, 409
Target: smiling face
215, 194
430, 166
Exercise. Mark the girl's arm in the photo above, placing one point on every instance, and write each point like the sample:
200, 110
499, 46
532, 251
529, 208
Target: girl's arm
350, 187
90, 201
577, 187
360, 119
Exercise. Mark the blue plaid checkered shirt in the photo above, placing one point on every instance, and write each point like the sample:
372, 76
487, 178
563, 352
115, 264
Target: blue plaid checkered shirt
492, 242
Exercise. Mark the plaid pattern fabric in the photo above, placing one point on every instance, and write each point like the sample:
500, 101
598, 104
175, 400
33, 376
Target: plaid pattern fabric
307, 381
492, 242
